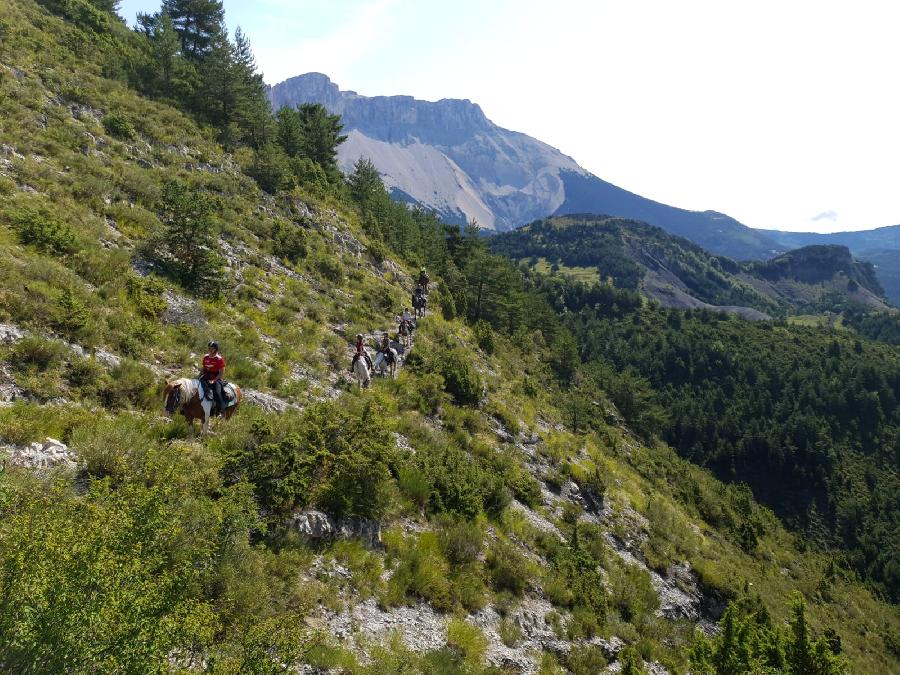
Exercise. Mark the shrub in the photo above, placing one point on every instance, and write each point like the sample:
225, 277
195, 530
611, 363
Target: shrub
460, 484
414, 485
510, 633
632, 593
39, 228
330, 268
585, 660
188, 248
111, 447
37, 354
328, 455
128, 384
118, 125
85, 373
467, 640
461, 541
484, 336
421, 572
271, 169
146, 295
460, 377
507, 568
288, 242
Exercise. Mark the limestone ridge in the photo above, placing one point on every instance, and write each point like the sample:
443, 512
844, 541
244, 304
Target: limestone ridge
447, 155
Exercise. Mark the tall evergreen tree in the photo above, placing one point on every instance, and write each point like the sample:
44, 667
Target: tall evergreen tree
198, 23
290, 131
167, 73
188, 248
321, 136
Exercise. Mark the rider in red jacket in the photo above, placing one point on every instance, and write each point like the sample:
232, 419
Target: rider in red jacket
211, 375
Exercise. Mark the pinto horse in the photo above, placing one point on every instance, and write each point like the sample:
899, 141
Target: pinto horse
183, 395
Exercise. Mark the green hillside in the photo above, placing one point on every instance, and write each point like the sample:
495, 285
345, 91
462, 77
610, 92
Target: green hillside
678, 273
494, 508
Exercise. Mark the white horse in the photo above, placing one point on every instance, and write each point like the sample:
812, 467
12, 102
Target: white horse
361, 371
183, 395
381, 363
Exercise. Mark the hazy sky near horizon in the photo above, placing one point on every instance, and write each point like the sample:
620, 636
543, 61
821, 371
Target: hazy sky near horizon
784, 115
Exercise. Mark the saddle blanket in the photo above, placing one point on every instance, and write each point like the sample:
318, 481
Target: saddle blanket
227, 388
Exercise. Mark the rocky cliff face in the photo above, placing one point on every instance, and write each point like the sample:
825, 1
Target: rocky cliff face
448, 156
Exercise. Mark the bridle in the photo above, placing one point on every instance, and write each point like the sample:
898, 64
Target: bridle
173, 400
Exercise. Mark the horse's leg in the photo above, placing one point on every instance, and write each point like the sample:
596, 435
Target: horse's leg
207, 413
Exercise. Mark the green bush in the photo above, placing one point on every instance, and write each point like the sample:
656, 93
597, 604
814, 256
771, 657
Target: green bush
289, 242
85, 374
510, 633
507, 568
585, 660
130, 384
118, 125
467, 640
41, 229
460, 484
327, 456
460, 377
271, 169
330, 268
632, 594
35, 354
146, 295
421, 571
461, 541
484, 336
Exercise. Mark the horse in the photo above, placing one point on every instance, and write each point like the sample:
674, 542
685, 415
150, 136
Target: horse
404, 330
361, 370
419, 303
183, 395
381, 363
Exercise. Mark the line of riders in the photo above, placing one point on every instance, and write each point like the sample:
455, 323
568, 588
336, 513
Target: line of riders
405, 328
223, 396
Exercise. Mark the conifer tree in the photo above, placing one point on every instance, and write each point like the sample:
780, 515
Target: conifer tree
189, 248
290, 131
198, 23
321, 136
167, 73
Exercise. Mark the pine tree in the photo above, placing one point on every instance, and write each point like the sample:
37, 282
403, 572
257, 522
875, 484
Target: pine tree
289, 131
321, 137
167, 73
365, 181
188, 249
198, 23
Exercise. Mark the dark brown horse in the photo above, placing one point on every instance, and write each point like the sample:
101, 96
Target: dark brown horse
182, 395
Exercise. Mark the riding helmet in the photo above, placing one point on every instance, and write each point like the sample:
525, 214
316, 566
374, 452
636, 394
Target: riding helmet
213, 344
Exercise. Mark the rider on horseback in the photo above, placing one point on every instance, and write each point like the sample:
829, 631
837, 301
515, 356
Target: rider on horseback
407, 318
211, 375
386, 349
423, 280
360, 351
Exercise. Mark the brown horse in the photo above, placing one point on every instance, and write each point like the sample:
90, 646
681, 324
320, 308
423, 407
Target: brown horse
183, 395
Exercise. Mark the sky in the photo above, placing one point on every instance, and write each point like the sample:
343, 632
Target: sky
784, 115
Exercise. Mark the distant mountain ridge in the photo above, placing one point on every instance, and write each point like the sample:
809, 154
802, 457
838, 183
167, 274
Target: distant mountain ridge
679, 273
448, 156
879, 246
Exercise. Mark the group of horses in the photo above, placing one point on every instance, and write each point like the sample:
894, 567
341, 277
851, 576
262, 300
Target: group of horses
188, 396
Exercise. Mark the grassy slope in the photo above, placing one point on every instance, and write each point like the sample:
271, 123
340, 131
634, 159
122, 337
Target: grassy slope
278, 327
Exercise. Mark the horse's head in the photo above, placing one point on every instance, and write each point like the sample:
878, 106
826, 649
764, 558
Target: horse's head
172, 397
